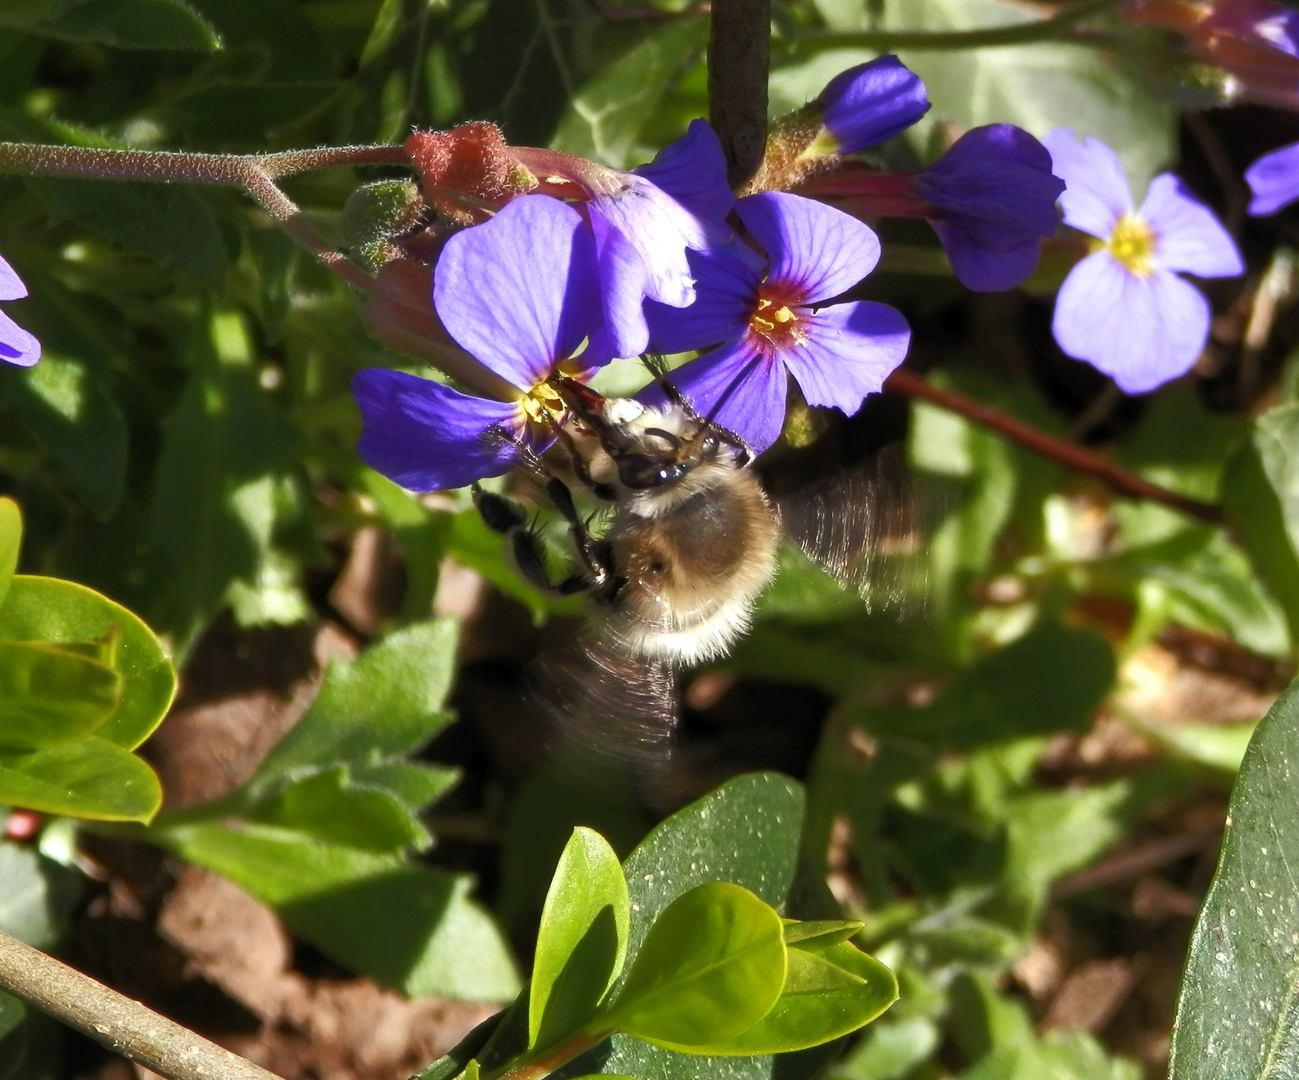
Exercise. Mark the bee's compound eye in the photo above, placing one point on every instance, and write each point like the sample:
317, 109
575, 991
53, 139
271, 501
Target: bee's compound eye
639, 471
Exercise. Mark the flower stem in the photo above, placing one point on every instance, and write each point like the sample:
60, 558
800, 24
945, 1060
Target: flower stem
738, 61
124, 1026
1054, 28
1119, 480
254, 174
560, 1054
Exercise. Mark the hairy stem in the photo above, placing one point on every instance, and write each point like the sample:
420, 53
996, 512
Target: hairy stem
739, 54
124, 1026
1119, 480
254, 174
1054, 28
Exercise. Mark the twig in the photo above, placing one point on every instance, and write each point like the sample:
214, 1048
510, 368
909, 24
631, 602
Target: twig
909, 384
1131, 864
739, 54
124, 1026
1051, 29
255, 174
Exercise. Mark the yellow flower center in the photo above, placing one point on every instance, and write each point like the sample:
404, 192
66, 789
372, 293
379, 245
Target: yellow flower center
543, 405
1132, 243
774, 321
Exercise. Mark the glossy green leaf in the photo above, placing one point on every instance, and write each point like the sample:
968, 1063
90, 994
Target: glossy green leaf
403, 924
819, 934
608, 112
40, 609
746, 832
1240, 994
88, 777
48, 695
827, 994
582, 940
382, 705
711, 967
11, 539
128, 24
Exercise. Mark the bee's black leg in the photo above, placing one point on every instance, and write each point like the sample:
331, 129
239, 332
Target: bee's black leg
582, 472
595, 554
510, 519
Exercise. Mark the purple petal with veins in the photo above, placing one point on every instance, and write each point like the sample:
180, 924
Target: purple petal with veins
521, 291
816, 251
847, 352
428, 437
869, 104
11, 286
17, 346
693, 171
726, 289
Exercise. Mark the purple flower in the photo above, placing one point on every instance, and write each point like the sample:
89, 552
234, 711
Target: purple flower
17, 346
1123, 309
762, 317
995, 196
1274, 180
867, 105
520, 293
644, 222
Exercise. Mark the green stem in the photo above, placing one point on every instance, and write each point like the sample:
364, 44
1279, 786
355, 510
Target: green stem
1025, 33
550, 1060
254, 174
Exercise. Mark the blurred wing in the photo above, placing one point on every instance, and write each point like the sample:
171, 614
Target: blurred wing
868, 527
609, 713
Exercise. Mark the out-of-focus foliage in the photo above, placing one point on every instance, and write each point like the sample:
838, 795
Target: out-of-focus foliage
186, 447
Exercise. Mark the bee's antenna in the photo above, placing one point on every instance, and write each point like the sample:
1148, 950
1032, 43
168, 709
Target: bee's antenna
658, 368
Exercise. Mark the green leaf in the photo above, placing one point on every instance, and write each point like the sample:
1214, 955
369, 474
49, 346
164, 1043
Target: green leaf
36, 895
328, 806
1261, 496
49, 696
40, 609
72, 414
1051, 679
746, 832
819, 934
215, 512
711, 967
890, 1049
88, 778
127, 24
11, 540
582, 940
159, 220
827, 994
607, 113
403, 924
382, 705
1238, 1014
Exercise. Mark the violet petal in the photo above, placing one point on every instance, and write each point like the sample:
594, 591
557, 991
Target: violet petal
623, 331
693, 171
1274, 180
737, 389
726, 290
428, 437
17, 346
521, 291
11, 286
816, 251
848, 352
1097, 192
1141, 331
982, 266
869, 104
1188, 235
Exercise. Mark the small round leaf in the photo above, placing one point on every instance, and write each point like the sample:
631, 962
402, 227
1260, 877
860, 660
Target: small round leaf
711, 967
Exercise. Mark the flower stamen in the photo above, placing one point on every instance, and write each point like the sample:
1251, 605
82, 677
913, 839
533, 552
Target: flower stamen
776, 322
1132, 245
543, 405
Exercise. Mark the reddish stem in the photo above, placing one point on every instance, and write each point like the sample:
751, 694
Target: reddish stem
1127, 484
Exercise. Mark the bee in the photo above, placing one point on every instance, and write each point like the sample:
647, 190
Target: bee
693, 538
